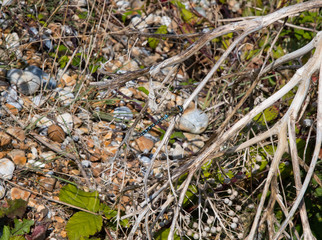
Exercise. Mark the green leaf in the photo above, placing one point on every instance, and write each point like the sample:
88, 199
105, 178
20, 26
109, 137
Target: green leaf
153, 42
93, 67
74, 196
207, 165
177, 135
63, 61
5, 233
278, 52
108, 212
188, 16
40, 16
143, 89
178, 3
164, 233
76, 61
21, 227
268, 115
17, 238
125, 15
17, 208
318, 192
83, 224
62, 48
83, 15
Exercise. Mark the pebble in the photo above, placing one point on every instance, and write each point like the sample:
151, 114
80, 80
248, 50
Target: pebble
47, 183
144, 144
86, 163
6, 168
56, 133
48, 156
123, 113
18, 157
41, 121
12, 41
65, 120
26, 82
177, 152
38, 100
47, 81
145, 160
17, 193
36, 164
13, 108
193, 121
5, 139
2, 191
66, 97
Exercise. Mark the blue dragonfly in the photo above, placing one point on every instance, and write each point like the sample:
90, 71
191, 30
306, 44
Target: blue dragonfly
175, 111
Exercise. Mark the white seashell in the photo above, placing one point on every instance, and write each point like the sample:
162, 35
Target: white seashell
27, 83
6, 168
2, 191
12, 41
36, 163
42, 121
194, 121
66, 97
65, 120
127, 92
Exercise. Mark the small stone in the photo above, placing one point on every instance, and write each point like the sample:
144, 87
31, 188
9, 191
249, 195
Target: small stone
41, 121
77, 122
127, 92
111, 149
193, 120
13, 109
65, 120
96, 169
68, 80
48, 156
2, 191
145, 160
86, 163
6, 168
17, 132
26, 82
18, 156
144, 144
56, 133
66, 97
123, 113
47, 183
5, 139
17, 193
47, 81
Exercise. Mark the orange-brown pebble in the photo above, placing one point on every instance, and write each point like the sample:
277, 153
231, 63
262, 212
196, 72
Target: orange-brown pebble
5, 139
17, 193
18, 156
17, 132
144, 144
56, 133
12, 109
